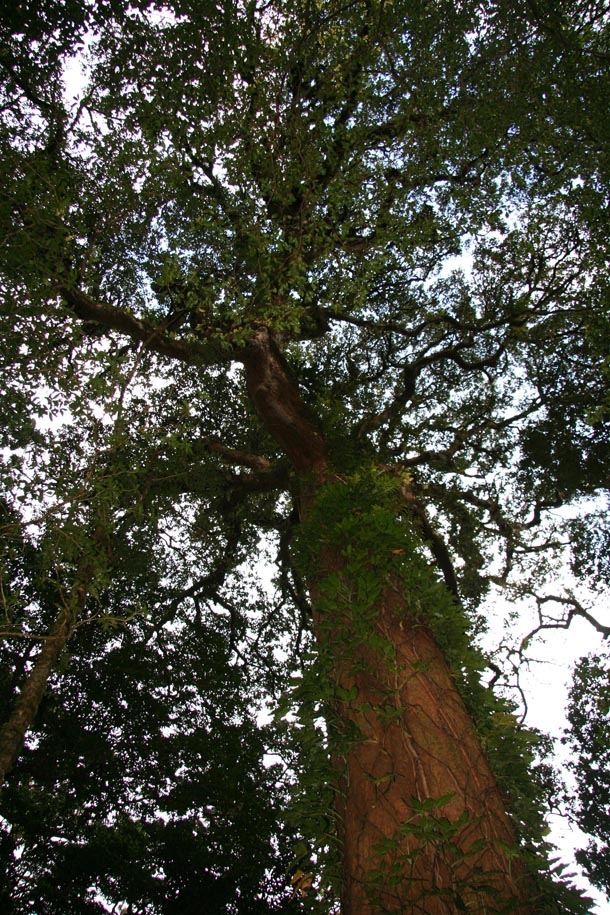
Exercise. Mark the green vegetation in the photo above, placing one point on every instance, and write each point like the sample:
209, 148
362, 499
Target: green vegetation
304, 324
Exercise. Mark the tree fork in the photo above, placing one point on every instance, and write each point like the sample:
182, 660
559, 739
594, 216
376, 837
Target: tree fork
421, 754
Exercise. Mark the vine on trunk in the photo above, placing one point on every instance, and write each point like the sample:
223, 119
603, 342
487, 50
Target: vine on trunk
361, 549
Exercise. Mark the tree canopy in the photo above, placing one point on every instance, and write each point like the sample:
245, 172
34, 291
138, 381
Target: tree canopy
305, 353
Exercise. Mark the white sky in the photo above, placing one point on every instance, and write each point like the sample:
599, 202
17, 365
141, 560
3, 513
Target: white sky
546, 680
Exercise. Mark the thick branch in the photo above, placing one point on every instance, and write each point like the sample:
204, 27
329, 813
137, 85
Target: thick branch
28, 90
153, 338
235, 485
435, 542
237, 457
279, 404
27, 703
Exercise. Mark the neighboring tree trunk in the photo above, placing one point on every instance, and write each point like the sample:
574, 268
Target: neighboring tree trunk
422, 824
25, 708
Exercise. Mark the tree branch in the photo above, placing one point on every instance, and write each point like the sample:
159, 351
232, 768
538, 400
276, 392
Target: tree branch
433, 539
575, 609
279, 405
238, 457
152, 337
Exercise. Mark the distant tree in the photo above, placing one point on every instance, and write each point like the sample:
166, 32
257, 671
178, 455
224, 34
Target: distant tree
589, 739
233, 322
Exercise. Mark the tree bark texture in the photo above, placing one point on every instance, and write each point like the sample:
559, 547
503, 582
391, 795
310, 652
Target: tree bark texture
413, 744
280, 407
423, 826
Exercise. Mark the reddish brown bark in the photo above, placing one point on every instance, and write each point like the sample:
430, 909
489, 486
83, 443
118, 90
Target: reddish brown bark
416, 741
280, 407
416, 738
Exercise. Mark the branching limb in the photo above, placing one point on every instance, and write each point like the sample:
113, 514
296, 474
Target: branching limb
292, 585
467, 435
572, 607
152, 337
437, 547
433, 539
25, 708
511, 683
26, 87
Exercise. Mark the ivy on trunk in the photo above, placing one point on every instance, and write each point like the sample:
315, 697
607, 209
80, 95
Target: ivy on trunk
317, 288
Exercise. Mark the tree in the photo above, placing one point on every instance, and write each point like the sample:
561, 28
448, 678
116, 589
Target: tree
229, 262
141, 795
588, 715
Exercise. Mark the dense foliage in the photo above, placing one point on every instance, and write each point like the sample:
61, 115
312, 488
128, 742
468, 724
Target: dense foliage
147, 785
229, 272
589, 738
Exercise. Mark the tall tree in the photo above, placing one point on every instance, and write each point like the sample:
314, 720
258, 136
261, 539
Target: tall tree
589, 718
233, 252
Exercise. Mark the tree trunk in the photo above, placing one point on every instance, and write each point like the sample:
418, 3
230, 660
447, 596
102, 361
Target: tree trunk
423, 826
25, 708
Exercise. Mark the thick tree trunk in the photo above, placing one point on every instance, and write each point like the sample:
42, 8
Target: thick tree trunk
25, 708
422, 824
423, 827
